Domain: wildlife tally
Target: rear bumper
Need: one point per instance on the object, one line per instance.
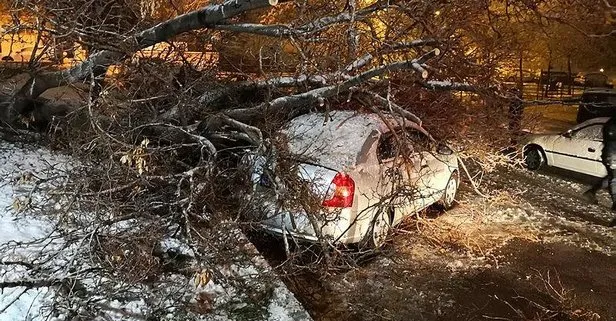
(278, 232)
(338, 228)
(282, 233)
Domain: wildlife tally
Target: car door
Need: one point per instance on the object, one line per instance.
(433, 172)
(399, 185)
(580, 150)
(390, 173)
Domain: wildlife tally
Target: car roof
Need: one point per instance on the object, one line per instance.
(336, 139)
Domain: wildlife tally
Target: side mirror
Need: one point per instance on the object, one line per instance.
(444, 149)
(567, 134)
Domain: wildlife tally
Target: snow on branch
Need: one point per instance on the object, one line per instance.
(312, 96)
(284, 81)
(303, 30)
(324, 22)
(205, 17)
(212, 96)
(449, 85)
(209, 98)
(360, 62)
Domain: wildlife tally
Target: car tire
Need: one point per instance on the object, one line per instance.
(534, 158)
(448, 200)
(378, 232)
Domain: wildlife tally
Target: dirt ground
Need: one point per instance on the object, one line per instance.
(535, 250)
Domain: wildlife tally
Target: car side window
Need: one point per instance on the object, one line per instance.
(387, 148)
(594, 132)
(404, 143)
(418, 140)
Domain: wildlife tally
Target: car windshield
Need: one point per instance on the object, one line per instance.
(334, 141)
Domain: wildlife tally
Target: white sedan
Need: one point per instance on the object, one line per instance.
(366, 172)
(578, 149)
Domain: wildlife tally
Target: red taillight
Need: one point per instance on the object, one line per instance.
(341, 192)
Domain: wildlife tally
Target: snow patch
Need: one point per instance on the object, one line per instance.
(21, 166)
(28, 173)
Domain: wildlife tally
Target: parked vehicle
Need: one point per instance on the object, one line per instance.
(367, 173)
(597, 102)
(598, 80)
(578, 149)
(528, 76)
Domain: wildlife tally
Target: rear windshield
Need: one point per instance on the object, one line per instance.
(336, 142)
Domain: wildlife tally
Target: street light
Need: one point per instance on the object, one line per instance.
(601, 70)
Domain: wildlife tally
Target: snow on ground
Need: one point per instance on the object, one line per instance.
(550, 203)
(225, 291)
(19, 166)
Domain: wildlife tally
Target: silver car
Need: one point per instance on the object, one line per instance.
(367, 172)
(578, 149)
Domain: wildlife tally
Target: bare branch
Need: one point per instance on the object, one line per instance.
(395, 108)
(448, 85)
(303, 30)
(312, 96)
(202, 18)
(411, 44)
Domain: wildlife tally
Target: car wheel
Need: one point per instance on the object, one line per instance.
(378, 232)
(533, 158)
(451, 190)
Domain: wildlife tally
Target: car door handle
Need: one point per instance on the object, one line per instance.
(592, 150)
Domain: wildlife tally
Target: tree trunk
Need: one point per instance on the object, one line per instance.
(569, 76)
(516, 110)
(521, 72)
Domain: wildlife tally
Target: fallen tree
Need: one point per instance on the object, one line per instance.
(97, 63)
(162, 134)
(22, 108)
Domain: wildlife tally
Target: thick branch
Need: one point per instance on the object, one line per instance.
(212, 96)
(278, 82)
(395, 108)
(33, 283)
(303, 30)
(313, 96)
(202, 18)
